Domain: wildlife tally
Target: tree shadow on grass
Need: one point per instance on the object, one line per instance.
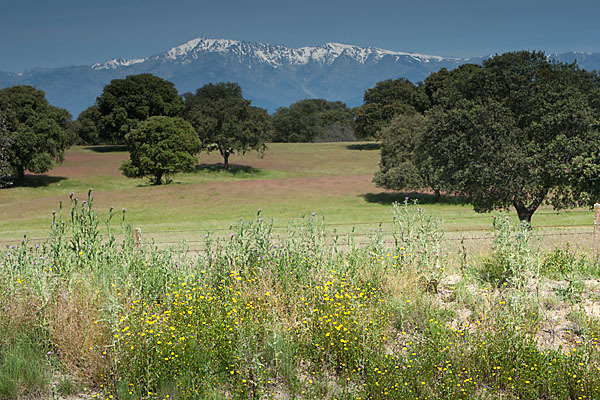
(34, 181)
(234, 169)
(364, 146)
(109, 148)
(421, 198)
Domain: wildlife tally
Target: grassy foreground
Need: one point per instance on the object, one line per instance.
(312, 315)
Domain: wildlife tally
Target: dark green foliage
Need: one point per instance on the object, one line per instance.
(385, 101)
(225, 121)
(5, 143)
(124, 103)
(586, 175)
(212, 92)
(160, 147)
(37, 131)
(86, 125)
(336, 132)
(508, 133)
(443, 88)
(312, 120)
(404, 165)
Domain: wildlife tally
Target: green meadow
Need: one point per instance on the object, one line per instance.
(289, 182)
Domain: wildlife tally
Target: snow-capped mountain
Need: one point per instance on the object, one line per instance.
(270, 75)
(276, 56)
(117, 62)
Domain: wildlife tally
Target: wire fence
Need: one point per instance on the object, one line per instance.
(390, 241)
(193, 232)
(157, 236)
(359, 238)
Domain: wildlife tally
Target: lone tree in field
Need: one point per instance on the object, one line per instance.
(225, 121)
(404, 164)
(513, 131)
(35, 133)
(160, 147)
(124, 103)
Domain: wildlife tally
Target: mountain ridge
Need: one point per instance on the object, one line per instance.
(274, 55)
(271, 76)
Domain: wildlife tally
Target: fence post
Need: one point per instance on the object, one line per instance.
(596, 231)
(137, 237)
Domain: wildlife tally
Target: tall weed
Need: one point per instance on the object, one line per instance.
(418, 239)
(515, 259)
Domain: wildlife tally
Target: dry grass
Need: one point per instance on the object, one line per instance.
(75, 330)
(20, 313)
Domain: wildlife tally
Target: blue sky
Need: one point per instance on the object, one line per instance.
(49, 33)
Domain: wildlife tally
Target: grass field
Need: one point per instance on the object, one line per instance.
(405, 311)
(290, 181)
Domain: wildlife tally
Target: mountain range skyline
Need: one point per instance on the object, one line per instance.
(271, 76)
(183, 49)
(73, 32)
(216, 44)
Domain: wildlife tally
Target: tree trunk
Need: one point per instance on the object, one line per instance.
(20, 174)
(525, 212)
(158, 178)
(438, 195)
(225, 159)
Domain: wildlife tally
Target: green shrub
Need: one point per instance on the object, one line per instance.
(514, 261)
(572, 293)
(561, 262)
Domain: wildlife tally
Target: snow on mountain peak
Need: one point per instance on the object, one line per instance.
(183, 49)
(273, 55)
(278, 55)
(192, 47)
(117, 62)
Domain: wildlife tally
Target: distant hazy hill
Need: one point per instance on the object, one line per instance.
(270, 75)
